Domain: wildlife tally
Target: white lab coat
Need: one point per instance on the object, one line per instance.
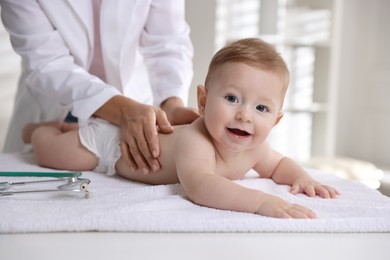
(55, 40)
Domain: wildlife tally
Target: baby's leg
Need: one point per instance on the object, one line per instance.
(61, 150)
(30, 128)
(163, 176)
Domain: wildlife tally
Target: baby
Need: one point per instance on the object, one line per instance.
(239, 104)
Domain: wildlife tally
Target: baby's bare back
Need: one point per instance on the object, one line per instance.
(167, 174)
(234, 168)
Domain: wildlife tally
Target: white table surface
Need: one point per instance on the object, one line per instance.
(98, 245)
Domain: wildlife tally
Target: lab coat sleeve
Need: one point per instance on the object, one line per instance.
(50, 68)
(167, 50)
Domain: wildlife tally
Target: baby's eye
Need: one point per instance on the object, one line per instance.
(231, 98)
(262, 108)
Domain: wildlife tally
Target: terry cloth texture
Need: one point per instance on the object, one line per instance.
(121, 205)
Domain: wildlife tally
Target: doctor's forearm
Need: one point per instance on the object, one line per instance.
(169, 104)
(114, 108)
(177, 113)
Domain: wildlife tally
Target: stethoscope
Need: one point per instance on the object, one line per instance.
(69, 182)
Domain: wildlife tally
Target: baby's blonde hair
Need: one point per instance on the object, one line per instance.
(253, 52)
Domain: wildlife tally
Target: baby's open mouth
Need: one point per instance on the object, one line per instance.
(238, 132)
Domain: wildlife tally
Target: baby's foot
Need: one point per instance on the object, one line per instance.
(30, 128)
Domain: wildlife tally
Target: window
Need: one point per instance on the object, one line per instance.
(300, 30)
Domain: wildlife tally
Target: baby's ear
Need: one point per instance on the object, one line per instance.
(202, 96)
(280, 115)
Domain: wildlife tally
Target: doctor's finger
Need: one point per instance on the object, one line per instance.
(162, 122)
(126, 155)
(150, 134)
(149, 147)
(140, 152)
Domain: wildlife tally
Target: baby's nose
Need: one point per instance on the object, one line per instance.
(244, 116)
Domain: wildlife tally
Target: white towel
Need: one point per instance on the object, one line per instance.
(121, 205)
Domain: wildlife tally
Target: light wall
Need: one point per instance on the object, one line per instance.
(200, 15)
(363, 122)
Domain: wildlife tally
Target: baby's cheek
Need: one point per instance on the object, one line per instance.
(264, 129)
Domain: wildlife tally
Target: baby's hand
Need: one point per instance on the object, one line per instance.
(312, 188)
(273, 206)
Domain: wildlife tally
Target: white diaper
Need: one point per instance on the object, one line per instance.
(102, 139)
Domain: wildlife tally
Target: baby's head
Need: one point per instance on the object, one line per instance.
(243, 94)
(253, 52)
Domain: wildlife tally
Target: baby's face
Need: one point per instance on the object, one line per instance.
(242, 105)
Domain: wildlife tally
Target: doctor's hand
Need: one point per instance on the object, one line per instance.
(138, 123)
(177, 113)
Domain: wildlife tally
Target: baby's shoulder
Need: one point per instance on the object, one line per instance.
(193, 135)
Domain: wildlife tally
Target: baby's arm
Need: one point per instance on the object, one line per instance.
(195, 163)
(284, 170)
(289, 172)
(208, 189)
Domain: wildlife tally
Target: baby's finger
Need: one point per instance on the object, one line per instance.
(310, 191)
(298, 211)
(295, 189)
(322, 192)
(282, 214)
(332, 192)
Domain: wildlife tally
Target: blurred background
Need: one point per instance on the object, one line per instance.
(337, 114)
